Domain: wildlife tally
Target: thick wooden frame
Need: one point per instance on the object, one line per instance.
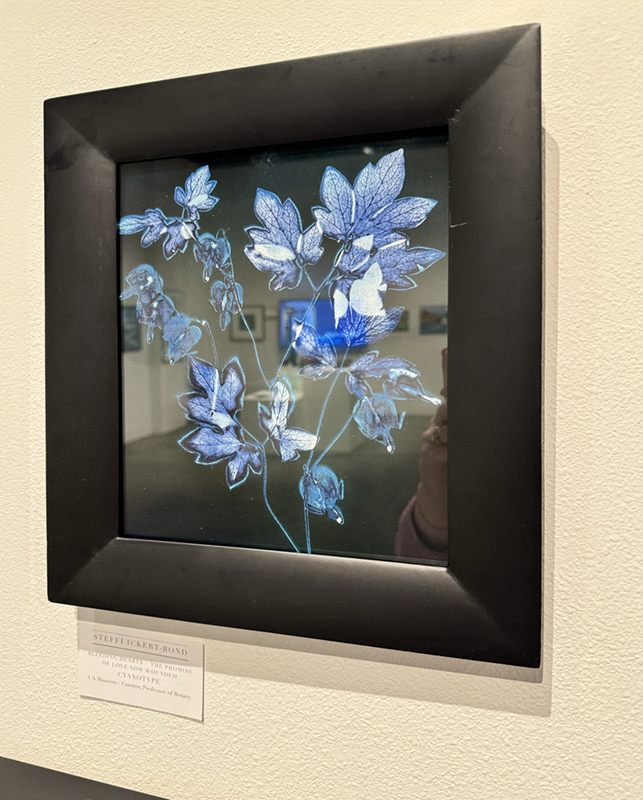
(486, 604)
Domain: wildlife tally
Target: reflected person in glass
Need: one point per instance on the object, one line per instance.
(422, 528)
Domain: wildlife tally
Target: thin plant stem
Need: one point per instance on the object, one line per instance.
(310, 457)
(313, 302)
(307, 527)
(310, 281)
(335, 440)
(247, 432)
(215, 354)
(323, 411)
(254, 344)
(289, 348)
(245, 322)
(265, 497)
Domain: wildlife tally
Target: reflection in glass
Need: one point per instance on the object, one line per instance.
(294, 305)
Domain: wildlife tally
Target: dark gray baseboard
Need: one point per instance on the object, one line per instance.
(20, 781)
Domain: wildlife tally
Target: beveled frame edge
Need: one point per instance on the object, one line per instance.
(486, 604)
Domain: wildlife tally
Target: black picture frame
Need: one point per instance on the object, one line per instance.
(486, 605)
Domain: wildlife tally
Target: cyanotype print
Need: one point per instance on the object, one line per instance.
(292, 410)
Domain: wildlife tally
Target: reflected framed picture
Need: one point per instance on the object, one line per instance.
(403, 324)
(130, 330)
(249, 327)
(270, 456)
(434, 319)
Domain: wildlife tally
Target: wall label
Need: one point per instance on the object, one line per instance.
(148, 669)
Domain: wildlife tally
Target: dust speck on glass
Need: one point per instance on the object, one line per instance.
(307, 438)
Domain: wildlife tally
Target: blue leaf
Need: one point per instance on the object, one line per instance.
(318, 349)
(181, 337)
(153, 223)
(364, 295)
(233, 387)
(286, 441)
(408, 212)
(369, 207)
(376, 416)
(357, 259)
(205, 405)
(212, 446)
(379, 184)
(396, 260)
(197, 195)
(337, 219)
(179, 233)
(357, 329)
(132, 224)
(214, 406)
(291, 440)
(360, 317)
(157, 226)
(320, 490)
(281, 248)
(217, 395)
(200, 404)
(309, 246)
(247, 458)
(214, 253)
(363, 363)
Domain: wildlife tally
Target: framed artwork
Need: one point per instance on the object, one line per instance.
(251, 326)
(288, 470)
(130, 330)
(403, 324)
(434, 319)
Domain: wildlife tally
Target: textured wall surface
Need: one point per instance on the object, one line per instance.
(288, 719)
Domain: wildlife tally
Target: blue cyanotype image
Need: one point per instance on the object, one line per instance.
(343, 255)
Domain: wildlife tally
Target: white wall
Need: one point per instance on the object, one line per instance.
(290, 719)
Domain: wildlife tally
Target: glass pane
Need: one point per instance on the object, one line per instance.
(283, 348)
